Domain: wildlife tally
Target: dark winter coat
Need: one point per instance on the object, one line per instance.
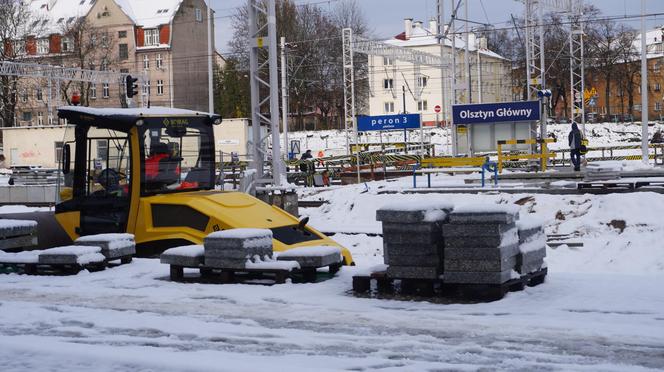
(574, 137)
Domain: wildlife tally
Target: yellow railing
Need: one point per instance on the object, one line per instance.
(543, 156)
(448, 162)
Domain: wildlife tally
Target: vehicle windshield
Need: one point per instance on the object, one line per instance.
(176, 158)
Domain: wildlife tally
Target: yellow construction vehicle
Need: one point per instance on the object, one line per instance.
(151, 172)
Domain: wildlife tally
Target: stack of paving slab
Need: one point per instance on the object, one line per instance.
(412, 239)
(532, 246)
(80, 255)
(237, 248)
(603, 171)
(17, 234)
(307, 257)
(113, 246)
(481, 244)
(185, 256)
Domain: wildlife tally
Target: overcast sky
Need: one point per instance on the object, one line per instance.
(386, 16)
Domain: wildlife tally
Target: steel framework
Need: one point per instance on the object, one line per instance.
(577, 68)
(264, 84)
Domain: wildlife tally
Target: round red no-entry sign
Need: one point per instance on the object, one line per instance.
(437, 109)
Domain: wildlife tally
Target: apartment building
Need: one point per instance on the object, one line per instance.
(163, 41)
(397, 87)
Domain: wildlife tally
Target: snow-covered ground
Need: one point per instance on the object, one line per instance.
(601, 308)
(333, 142)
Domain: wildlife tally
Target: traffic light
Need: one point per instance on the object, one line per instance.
(132, 86)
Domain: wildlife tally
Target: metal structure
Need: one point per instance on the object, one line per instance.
(535, 59)
(350, 115)
(264, 83)
(59, 74)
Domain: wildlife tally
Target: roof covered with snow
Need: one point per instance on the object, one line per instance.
(52, 16)
(420, 37)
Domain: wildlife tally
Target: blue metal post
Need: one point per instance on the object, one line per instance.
(414, 176)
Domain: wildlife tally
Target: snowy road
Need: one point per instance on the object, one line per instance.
(132, 318)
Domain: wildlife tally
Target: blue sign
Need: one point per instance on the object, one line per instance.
(388, 122)
(485, 113)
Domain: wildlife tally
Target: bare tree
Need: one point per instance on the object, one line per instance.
(92, 49)
(17, 23)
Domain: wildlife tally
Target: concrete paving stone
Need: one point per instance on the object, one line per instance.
(412, 249)
(181, 260)
(529, 233)
(424, 261)
(406, 238)
(411, 228)
(530, 267)
(507, 238)
(481, 253)
(17, 228)
(538, 254)
(24, 241)
(498, 277)
(482, 218)
(475, 230)
(413, 272)
(507, 263)
(230, 254)
(221, 251)
(225, 263)
(313, 261)
(414, 216)
(122, 252)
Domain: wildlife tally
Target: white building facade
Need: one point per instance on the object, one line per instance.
(398, 87)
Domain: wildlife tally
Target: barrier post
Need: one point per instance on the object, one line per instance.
(500, 158)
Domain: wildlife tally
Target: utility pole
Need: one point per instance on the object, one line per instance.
(284, 95)
(441, 41)
(453, 132)
(210, 56)
(644, 87)
(479, 73)
(466, 56)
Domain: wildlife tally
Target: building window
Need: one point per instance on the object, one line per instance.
(58, 150)
(124, 52)
(388, 107)
(66, 44)
(93, 91)
(160, 61)
(102, 149)
(24, 95)
(105, 93)
(40, 118)
(422, 105)
(19, 47)
(146, 62)
(42, 46)
(27, 116)
(657, 66)
(160, 87)
(199, 14)
(146, 88)
(151, 37)
(387, 61)
(104, 65)
(122, 34)
(422, 81)
(658, 106)
(658, 87)
(40, 94)
(388, 83)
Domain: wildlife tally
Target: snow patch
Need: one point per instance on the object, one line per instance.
(186, 251)
(316, 251)
(241, 234)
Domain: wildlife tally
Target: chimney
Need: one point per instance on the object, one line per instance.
(472, 40)
(482, 42)
(433, 27)
(417, 24)
(408, 25)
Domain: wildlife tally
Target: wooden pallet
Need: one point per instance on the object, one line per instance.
(648, 184)
(49, 269)
(236, 276)
(380, 284)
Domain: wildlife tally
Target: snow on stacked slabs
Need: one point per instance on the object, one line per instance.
(603, 171)
(236, 248)
(412, 238)
(72, 255)
(17, 234)
(113, 246)
(532, 246)
(185, 256)
(481, 244)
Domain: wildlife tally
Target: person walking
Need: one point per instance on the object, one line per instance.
(574, 140)
(303, 160)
